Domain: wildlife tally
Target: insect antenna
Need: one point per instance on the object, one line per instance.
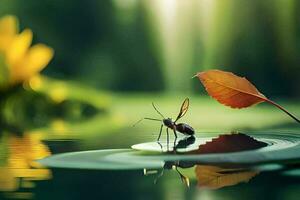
(157, 111)
(153, 119)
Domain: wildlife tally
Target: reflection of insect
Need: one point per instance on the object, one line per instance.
(171, 166)
(168, 165)
(182, 144)
(181, 127)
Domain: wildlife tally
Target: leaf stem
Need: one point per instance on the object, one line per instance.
(283, 109)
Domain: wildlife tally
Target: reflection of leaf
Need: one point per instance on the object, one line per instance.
(229, 143)
(234, 91)
(213, 177)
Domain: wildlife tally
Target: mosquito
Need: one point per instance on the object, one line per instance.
(173, 125)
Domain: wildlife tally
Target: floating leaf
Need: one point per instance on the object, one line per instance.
(234, 91)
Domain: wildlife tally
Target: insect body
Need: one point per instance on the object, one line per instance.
(170, 124)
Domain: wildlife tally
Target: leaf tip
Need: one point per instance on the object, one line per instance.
(196, 75)
(199, 75)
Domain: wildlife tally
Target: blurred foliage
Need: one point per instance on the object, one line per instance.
(130, 45)
(116, 44)
(92, 44)
(115, 130)
(43, 100)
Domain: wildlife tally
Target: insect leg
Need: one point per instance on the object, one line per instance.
(183, 178)
(174, 145)
(160, 132)
(167, 139)
(174, 129)
(161, 147)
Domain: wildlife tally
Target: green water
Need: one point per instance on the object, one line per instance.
(23, 178)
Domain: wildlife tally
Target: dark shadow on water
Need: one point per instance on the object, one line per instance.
(225, 143)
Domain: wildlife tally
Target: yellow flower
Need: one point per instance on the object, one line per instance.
(21, 60)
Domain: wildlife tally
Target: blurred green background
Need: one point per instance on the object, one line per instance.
(153, 45)
(114, 57)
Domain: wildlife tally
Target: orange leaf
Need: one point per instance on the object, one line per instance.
(234, 91)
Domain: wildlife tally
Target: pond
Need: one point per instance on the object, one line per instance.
(93, 158)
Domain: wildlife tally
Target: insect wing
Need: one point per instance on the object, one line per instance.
(184, 108)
